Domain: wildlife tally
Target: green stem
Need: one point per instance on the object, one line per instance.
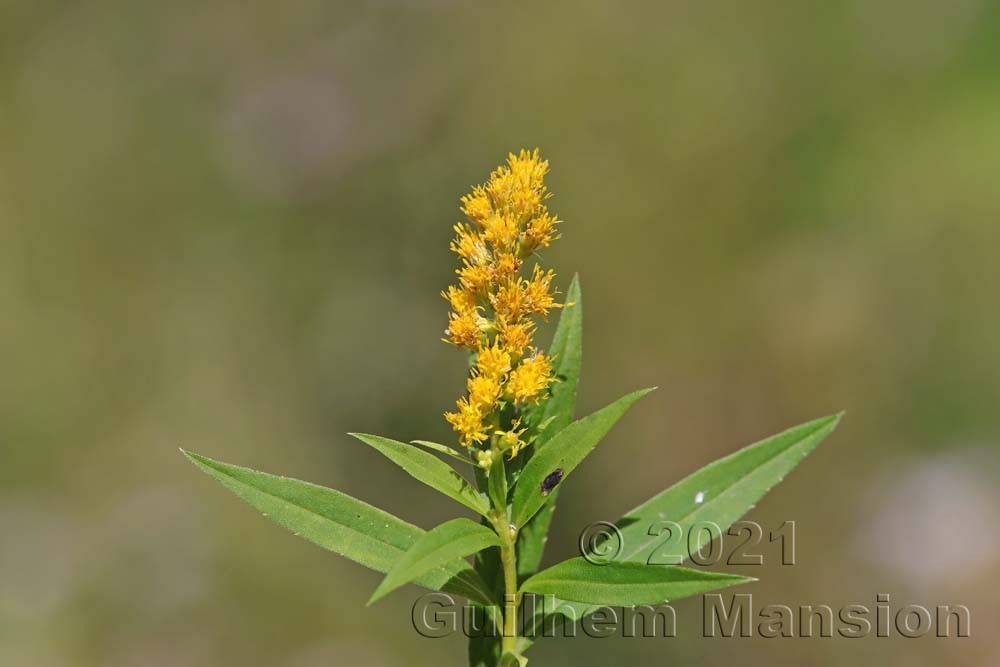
(512, 598)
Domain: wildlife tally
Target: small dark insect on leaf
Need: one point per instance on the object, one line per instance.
(551, 480)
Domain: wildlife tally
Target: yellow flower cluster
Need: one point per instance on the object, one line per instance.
(493, 304)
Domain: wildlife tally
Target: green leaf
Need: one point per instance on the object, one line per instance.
(563, 453)
(624, 583)
(444, 544)
(340, 523)
(430, 470)
(498, 483)
(567, 350)
(721, 492)
(721, 481)
(443, 449)
(556, 414)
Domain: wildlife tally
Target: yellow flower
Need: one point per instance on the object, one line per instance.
(509, 302)
(493, 362)
(527, 382)
(501, 231)
(484, 390)
(516, 336)
(528, 171)
(528, 168)
(475, 277)
(538, 299)
(539, 233)
(468, 421)
(518, 187)
(492, 305)
(464, 329)
(499, 187)
(506, 267)
(462, 300)
(511, 439)
(469, 245)
(476, 206)
(525, 202)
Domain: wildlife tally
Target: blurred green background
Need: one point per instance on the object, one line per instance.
(224, 226)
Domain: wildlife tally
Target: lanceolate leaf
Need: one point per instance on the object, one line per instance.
(556, 414)
(440, 546)
(776, 455)
(721, 492)
(562, 454)
(619, 583)
(497, 483)
(340, 523)
(567, 350)
(443, 449)
(430, 470)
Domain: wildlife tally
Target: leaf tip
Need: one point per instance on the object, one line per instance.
(740, 580)
(834, 420)
(642, 392)
(192, 457)
(383, 589)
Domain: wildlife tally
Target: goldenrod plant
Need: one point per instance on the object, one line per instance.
(516, 444)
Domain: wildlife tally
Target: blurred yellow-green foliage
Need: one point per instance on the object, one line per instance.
(225, 225)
